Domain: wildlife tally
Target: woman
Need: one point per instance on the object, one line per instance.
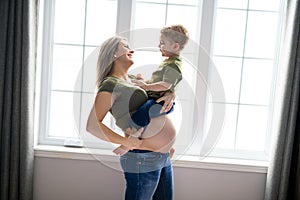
(147, 167)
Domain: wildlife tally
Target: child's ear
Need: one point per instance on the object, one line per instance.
(176, 46)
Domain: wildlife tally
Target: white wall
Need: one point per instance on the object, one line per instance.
(67, 179)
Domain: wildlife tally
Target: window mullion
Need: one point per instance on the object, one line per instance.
(124, 17)
(204, 62)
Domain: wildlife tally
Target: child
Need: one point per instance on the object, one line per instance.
(172, 41)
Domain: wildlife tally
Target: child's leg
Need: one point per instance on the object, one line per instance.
(154, 111)
(172, 151)
(150, 109)
(141, 118)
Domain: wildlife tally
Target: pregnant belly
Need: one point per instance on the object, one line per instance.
(159, 135)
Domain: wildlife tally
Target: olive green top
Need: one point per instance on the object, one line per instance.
(128, 98)
(169, 71)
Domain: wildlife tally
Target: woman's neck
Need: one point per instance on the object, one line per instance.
(119, 74)
(119, 71)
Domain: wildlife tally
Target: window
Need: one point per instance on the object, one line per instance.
(240, 39)
(245, 53)
(68, 39)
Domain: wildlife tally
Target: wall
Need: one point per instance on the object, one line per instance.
(67, 179)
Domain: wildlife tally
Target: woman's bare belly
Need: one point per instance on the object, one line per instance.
(159, 135)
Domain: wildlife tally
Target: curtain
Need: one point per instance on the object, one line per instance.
(283, 173)
(17, 72)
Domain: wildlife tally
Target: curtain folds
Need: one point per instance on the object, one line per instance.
(17, 72)
(283, 173)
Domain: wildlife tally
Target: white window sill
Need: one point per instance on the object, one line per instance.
(184, 161)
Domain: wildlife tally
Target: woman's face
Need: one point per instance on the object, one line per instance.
(124, 53)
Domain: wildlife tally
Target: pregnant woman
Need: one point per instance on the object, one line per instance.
(147, 167)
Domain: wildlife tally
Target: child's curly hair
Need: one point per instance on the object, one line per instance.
(176, 33)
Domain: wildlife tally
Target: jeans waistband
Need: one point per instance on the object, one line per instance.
(139, 151)
(139, 161)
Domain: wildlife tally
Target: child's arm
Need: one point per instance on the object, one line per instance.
(137, 77)
(158, 86)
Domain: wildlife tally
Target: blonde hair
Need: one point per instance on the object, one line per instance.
(176, 33)
(106, 57)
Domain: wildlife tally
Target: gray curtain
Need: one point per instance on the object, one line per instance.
(283, 173)
(17, 72)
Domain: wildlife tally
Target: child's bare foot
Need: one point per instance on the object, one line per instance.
(172, 151)
(121, 150)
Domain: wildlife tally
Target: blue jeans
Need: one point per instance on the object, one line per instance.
(148, 175)
(150, 109)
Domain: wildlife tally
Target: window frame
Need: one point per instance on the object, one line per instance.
(262, 155)
(124, 22)
(45, 93)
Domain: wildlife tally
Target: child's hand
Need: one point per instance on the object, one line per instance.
(139, 77)
(139, 83)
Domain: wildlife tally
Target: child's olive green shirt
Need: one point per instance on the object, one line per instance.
(169, 71)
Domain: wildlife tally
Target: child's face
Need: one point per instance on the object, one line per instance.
(166, 46)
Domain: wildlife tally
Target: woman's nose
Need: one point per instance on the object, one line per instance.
(131, 51)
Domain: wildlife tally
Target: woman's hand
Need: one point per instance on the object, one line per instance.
(169, 98)
(133, 141)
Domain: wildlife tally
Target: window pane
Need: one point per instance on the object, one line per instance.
(152, 1)
(229, 32)
(186, 2)
(67, 62)
(239, 4)
(88, 139)
(144, 10)
(229, 70)
(261, 34)
(268, 5)
(182, 117)
(243, 29)
(69, 21)
(227, 136)
(145, 62)
(256, 81)
(185, 15)
(89, 69)
(63, 122)
(252, 124)
(100, 21)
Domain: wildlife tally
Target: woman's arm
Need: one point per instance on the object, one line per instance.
(169, 98)
(103, 103)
